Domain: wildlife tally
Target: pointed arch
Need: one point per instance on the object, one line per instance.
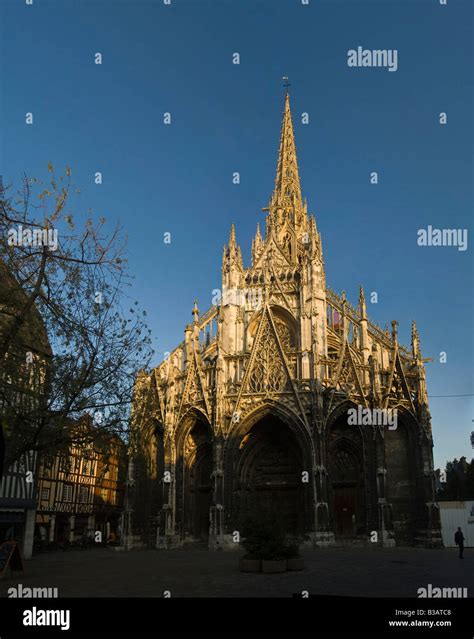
(283, 412)
(194, 388)
(264, 457)
(347, 473)
(194, 464)
(188, 419)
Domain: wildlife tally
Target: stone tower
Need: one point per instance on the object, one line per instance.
(283, 394)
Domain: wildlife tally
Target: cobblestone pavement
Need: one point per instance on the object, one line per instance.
(193, 572)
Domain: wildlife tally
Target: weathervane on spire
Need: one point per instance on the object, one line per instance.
(287, 83)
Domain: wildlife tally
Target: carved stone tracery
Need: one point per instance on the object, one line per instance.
(268, 373)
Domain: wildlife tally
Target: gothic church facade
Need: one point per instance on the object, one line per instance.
(254, 406)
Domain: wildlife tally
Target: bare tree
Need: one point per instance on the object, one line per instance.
(71, 342)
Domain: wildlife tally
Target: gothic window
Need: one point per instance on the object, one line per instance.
(334, 318)
(284, 333)
(268, 373)
(344, 466)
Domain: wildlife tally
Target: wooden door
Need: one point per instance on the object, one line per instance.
(344, 510)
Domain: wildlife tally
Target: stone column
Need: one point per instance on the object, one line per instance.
(169, 497)
(324, 535)
(386, 533)
(218, 539)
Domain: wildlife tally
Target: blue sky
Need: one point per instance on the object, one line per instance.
(177, 178)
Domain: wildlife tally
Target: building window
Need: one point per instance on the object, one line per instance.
(65, 465)
(83, 495)
(44, 494)
(67, 492)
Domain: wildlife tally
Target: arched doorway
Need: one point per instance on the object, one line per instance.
(270, 466)
(197, 480)
(347, 487)
(344, 473)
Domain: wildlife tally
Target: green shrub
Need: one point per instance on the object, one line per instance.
(263, 536)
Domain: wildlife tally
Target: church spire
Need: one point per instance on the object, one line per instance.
(232, 239)
(287, 183)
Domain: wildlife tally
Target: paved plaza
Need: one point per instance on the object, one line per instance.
(196, 572)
